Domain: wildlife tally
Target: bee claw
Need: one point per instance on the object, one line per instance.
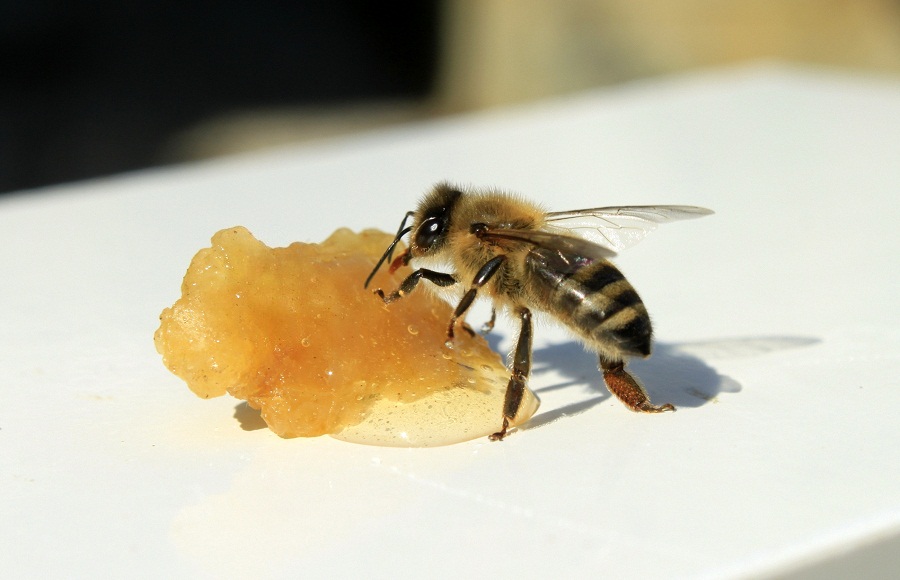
(648, 408)
(489, 325)
(499, 435)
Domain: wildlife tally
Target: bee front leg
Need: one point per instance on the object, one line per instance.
(481, 278)
(624, 386)
(515, 390)
(408, 285)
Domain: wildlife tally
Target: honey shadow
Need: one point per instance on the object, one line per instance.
(249, 418)
(676, 373)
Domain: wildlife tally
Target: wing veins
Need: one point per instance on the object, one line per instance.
(619, 227)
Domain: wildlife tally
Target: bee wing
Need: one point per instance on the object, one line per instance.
(618, 228)
(574, 251)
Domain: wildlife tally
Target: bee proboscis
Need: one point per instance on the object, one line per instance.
(524, 258)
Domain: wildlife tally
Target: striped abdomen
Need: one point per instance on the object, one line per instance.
(595, 301)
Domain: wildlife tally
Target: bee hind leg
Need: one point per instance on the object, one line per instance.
(515, 390)
(626, 388)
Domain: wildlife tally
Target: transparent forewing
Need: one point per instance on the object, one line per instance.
(618, 228)
(576, 252)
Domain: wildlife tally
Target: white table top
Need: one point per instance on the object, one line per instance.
(778, 336)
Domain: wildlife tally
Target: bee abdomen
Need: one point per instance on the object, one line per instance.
(601, 305)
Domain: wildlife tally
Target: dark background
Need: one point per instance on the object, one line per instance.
(95, 87)
(98, 87)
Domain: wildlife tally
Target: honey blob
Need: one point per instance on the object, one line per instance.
(293, 332)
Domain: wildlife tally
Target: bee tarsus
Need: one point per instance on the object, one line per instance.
(521, 368)
(488, 326)
(626, 388)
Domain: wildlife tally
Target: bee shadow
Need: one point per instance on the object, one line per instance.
(676, 373)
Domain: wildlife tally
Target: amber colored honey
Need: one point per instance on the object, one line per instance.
(293, 332)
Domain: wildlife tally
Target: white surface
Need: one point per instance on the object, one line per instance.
(781, 308)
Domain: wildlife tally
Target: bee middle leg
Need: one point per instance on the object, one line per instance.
(624, 386)
(481, 278)
(488, 326)
(515, 390)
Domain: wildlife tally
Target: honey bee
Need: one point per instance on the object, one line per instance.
(526, 259)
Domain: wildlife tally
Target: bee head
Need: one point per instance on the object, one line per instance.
(432, 220)
(429, 228)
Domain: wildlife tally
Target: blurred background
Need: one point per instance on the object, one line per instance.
(91, 88)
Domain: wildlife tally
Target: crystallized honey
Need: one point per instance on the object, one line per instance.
(293, 332)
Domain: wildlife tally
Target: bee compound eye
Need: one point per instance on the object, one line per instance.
(429, 232)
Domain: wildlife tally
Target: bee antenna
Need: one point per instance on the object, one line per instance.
(400, 233)
(390, 249)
